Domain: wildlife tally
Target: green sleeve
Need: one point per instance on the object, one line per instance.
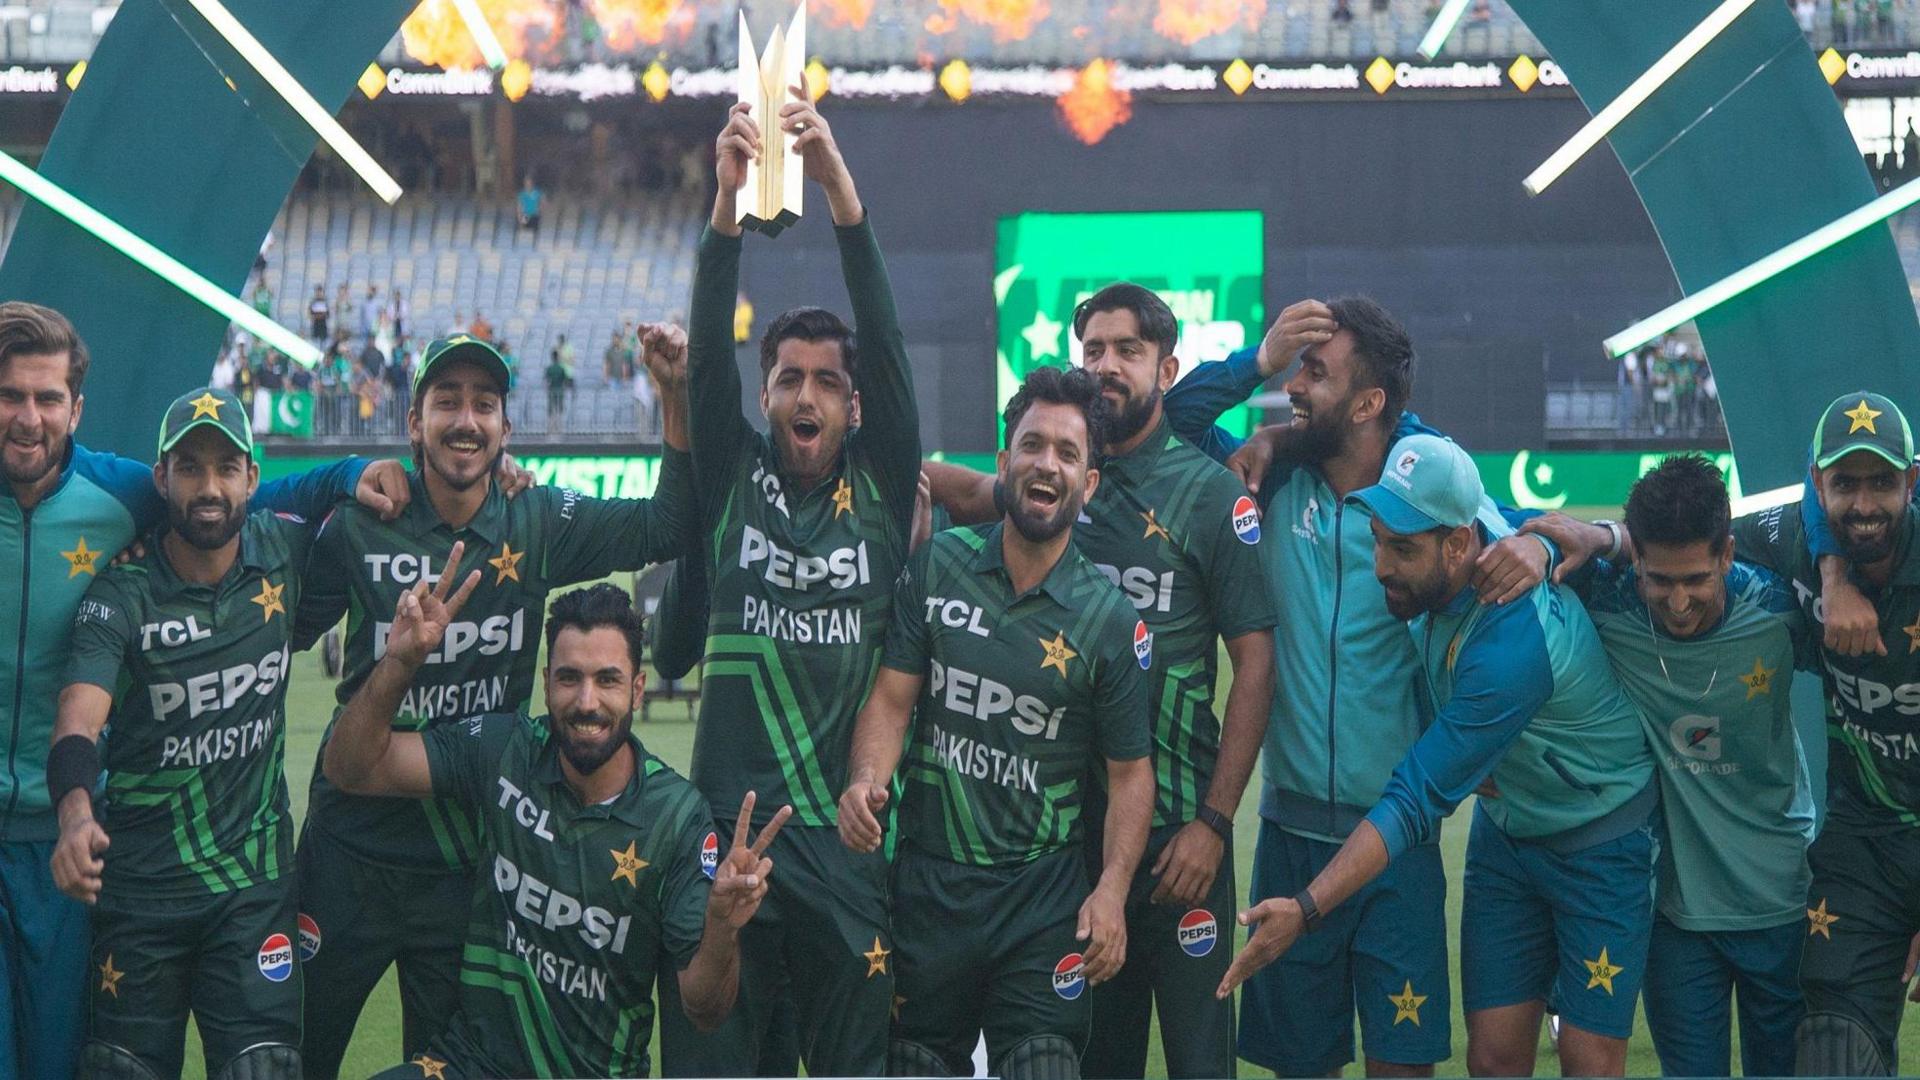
(909, 646)
(464, 758)
(1771, 538)
(889, 418)
(592, 538)
(678, 631)
(323, 581)
(1120, 701)
(1234, 576)
(716, 427)
(684, 890)
(105, 628)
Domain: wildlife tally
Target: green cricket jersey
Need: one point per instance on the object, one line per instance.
(801, 582)
(576, 903)
(1178, 534)
(1025, 697)
(524, 547)
(195, 751)
(1734, 789)
(1873, 759)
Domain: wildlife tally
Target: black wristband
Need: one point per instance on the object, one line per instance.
(1215, 820)
(1309, 911)
(74, 762)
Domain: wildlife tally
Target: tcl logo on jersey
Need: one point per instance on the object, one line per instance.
(401, 569)
(1147, 590)
(276, 958)
(173, 632)
(1070, 976)
(309, 937)
(1246, 520)
(492, 636)
(985, 699)
(957, 614)
(1197, 932)
(710, 856)
(542, 905)
(843, 569)
(1143, 645)
(769, 484)
(219, 689)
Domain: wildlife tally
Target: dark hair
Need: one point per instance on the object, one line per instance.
(1156, 320)
(1383, 348)
(33, 330)
(805, 324)
(594, 607)
(1064, 386)
(1682, 500)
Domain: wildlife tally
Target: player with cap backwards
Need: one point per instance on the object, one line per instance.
(1852, 539)
(1020, 658)
(1560, 861)
(378, 876)
(188, 862)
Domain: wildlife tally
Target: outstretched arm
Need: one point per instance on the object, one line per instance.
(965, 495)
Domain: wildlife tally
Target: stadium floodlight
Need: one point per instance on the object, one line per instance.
(169, 269)
(483, 34)
(1767, 500)
(295, 95)
(1763, 268)
(1443, 24)
(1634, 95)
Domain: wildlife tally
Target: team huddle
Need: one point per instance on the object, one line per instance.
(948, 782)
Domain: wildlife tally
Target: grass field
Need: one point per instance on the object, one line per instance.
(376, 1043)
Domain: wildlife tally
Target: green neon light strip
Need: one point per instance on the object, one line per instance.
(483, 35)
(1636, 94)
(171, 270)
(295, 95)
(1820, 239)
(1442, 28)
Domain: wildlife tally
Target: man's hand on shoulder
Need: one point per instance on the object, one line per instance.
(383, 488)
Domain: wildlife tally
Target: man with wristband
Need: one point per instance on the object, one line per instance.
(1527, 712)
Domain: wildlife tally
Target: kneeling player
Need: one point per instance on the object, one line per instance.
(1030, 661)
(193, 902)
(591, 864)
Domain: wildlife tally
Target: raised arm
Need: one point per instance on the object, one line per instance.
(717, 429)
(965, 495)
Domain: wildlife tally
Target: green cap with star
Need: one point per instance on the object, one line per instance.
(443, 351)
(1863, 421)
(206, 407)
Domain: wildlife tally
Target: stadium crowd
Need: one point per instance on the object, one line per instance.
(946, 782)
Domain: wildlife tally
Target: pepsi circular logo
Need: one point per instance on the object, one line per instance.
(1070, 976)
(309, 937)
(1246, 520)
(1197, 932)
(276, 958)
(1143, 645)
(710, 856)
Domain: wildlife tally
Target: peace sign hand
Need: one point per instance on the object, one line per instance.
(740, 881)
(422, 616)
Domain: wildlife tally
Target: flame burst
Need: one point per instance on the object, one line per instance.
(632, 24)
(1094, 106)
(1012, 20)
(1187, 21)
(434, 34)
(853, 13)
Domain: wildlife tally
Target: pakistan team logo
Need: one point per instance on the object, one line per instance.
(1697, 737)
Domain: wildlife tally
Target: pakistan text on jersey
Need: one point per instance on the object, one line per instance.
(962, 755)
(219, 689)
(546, 908)
(217, 744)
(838, 625)
(564, 974)
(984, 699)
(1898, 746)
(843, 568)
(490, 637)
(462, 699)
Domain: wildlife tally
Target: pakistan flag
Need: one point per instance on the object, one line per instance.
(289, 412)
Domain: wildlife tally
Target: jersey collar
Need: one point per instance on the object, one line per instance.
(990, 558)
(1137, 466)
(490, 524)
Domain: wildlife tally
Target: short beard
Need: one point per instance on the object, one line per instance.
(205, 537)
(1422, 598)
(1132, 417)
(455, 482)
(1323, 439)
(1041, 529)
(54, 456)
(587, 760)
(1867, 552)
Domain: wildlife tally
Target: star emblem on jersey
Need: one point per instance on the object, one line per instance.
(109, 978)
(1913, 636)
(431, 1066)
(1154, 527)
(269, 600)
(1759, 680)
(1406, 1004)
(1818, 919)
(842, 498)
(208, 405)
(1601, 972)
(506, 564)
(877, 958)
(1057, 653)
(1862, 417)
(80, 559)
(627, 865)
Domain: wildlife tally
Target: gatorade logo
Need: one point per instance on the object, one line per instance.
(1069, 976)
(1197, 932)
(1142, 645)
(1246, 520)
(309, 937)
(276, 958)
(710, 856)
